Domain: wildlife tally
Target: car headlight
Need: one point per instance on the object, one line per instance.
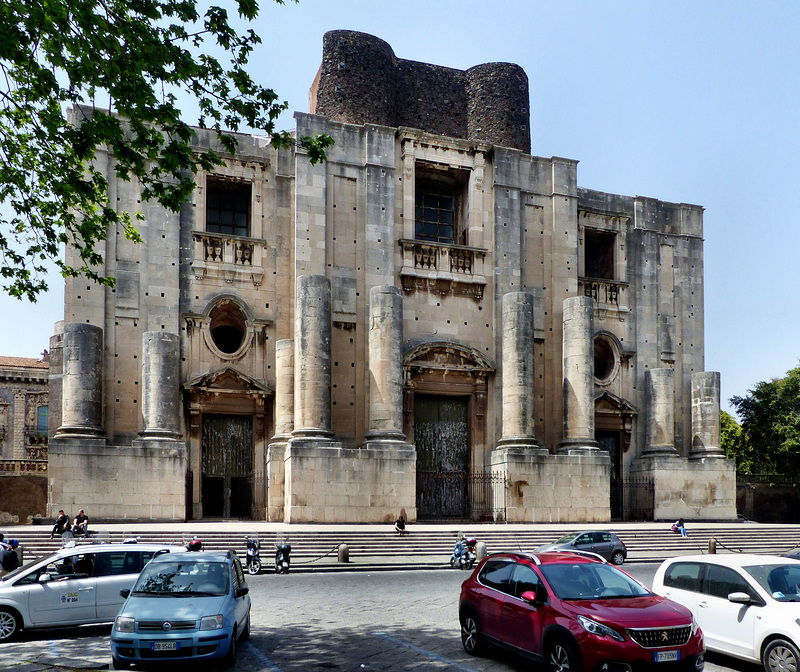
(599, 629)
(124, 624)
(211, 622)
(695, 627)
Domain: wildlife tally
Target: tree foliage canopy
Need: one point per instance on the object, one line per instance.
(770, 426)
(120, 65)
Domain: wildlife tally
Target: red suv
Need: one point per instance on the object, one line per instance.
(575, 612)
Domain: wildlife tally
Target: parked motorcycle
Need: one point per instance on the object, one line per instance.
(464, 554)
(253, 557)
(282, 551)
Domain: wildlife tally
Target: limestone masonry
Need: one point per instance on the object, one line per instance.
(434, 322)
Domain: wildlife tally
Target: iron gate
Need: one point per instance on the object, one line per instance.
(460, 496)
(639, 496)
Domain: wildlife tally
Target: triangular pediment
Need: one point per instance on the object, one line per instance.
(606, 402)
(445, 354)
(227, 379)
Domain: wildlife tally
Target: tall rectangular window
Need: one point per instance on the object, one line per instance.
(228, 207)
(41, 420)
(439, 213)
(599, 254)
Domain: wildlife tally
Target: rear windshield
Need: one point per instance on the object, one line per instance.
(183, 579)
(589, 580)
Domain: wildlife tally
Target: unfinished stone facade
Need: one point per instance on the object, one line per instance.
(434, 322)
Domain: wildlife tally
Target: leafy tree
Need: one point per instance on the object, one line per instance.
(731, 440)
(770, 415)
(120, 65)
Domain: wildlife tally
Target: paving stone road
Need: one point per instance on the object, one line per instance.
(348, 622)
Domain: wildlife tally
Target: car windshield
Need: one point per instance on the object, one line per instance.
(183, 579)
(588, 580)
(782, 581)
(19, 570)
(566, 539)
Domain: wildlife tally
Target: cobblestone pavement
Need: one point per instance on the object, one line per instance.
(349, 622)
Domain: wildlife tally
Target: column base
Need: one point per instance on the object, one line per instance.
(520, 442)
(577, 446)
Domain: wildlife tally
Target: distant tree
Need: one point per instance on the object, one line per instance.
(731, 440)
(121, 64)
(770, 423)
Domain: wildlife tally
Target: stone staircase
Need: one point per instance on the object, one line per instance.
(430, 546)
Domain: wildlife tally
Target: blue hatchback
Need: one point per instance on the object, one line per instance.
(187, 606)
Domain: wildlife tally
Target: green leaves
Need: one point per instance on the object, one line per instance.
(117, 67)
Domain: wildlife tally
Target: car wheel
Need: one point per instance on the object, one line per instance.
(471, 636)
(561, 657)
(230, 658)
(780, 655)
(9, 625)
(246, 630)
(618, 557)
(118, 664)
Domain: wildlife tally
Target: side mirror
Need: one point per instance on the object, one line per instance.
(44, 578)
(535, 597)
(241, 592)
(740, 598)
(125, 592)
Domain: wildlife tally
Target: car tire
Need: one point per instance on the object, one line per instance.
(617, 557)
(246, 630)
(560, 656)
(780, 654)
(471, 637)
(118, 664)
(10, 625)
(230, 658)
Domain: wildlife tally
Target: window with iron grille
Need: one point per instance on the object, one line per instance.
(439, 209)
(228, 207)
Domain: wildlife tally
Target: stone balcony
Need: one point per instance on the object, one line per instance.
(443, 268)
(229, 258)
(610, 297)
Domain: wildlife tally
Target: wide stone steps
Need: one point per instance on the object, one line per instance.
(430, 546)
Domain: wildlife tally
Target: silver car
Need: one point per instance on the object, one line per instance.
(73, 586)
(605, 544)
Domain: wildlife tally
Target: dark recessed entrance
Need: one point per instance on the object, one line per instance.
(227, 466)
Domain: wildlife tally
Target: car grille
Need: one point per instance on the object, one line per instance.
(147, 626)
(653, 638)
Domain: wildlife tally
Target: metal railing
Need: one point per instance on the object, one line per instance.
(456, 495)
(638, 498)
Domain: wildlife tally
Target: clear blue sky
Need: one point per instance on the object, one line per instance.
(695, 102)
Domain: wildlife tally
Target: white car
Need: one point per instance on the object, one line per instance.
(73, 586)
(748, 606)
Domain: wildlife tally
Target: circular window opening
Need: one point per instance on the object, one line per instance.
(228, 327)
(604, 360)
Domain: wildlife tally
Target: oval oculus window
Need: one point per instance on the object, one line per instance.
(605, 360)
(228, 327)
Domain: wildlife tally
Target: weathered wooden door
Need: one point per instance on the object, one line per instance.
(227, 466)
(610, 441)
(441, 435)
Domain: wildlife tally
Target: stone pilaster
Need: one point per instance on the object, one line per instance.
(161, 385)
(578, 372)
(312, 358)
(518, 371)
(705, 415)
(385, 366)
(82, 381)
(659, 419)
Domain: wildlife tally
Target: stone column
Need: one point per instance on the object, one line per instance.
(518, 371)
(705, 415)
(312, 357)
(660, 423)
(82, 381)
(578, 374)
(161, 399)
(385, 365)
(284, 390)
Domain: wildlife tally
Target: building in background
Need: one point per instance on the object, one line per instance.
(434, 322)
(24, 405)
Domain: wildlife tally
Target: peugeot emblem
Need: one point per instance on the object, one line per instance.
(167, 626)
(664, 634)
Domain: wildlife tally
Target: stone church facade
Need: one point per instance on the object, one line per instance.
(435, 321)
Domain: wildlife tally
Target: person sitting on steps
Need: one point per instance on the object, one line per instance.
(400, 526)
(81, 524)
(62, 524)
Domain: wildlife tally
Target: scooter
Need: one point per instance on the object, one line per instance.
(253, 557)
(282, 551)
(464, 555)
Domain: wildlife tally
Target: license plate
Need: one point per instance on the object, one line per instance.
(165, 646)
(666, 656)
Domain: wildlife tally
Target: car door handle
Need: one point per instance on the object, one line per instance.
(703, 604)
(81, 590)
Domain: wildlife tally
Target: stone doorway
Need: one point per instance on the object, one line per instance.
(613, 420)
(227, 445)
(610, 441)
(441, 436)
